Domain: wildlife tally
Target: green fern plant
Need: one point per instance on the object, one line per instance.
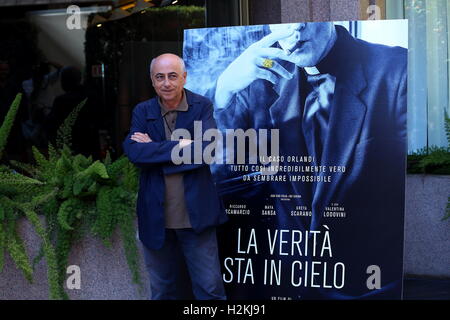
(10, 241)
(8, 122)
(64, 134)
(76, 195)
(434, 160)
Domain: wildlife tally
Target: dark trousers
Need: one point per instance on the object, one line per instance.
(200, 254)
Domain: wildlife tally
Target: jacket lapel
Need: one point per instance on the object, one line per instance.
(185, 119)
(155, 123)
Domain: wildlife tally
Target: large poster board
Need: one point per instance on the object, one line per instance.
(312, 168)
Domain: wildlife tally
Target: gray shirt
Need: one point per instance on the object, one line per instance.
(175, 210)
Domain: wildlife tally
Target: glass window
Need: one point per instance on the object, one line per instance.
(428, 87)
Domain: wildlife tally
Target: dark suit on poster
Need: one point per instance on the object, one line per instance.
(367, 135)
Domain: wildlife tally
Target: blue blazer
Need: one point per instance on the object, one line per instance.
(204, 207)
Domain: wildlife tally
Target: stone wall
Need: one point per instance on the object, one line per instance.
(427, 237)
(105, 273)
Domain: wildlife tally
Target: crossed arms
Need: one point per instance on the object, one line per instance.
(143, 151)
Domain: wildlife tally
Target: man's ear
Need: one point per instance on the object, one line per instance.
(185, 76)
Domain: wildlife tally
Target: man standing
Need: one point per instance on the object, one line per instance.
(178, 206)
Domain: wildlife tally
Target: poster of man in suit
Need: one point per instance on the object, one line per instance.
(315, 188)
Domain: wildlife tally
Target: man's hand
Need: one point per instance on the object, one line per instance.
(140, 137)
(249, 66)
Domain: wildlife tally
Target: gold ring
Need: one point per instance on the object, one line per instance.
(267, 63)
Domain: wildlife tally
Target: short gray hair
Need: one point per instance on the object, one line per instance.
(183, 65)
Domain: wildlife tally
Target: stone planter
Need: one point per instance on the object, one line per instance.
(104, 272)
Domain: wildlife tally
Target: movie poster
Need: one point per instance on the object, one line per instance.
(311, 159)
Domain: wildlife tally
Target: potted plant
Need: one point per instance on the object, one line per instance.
(76, 196)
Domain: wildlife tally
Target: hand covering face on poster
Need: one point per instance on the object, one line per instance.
(257, 76)
(249, 66)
